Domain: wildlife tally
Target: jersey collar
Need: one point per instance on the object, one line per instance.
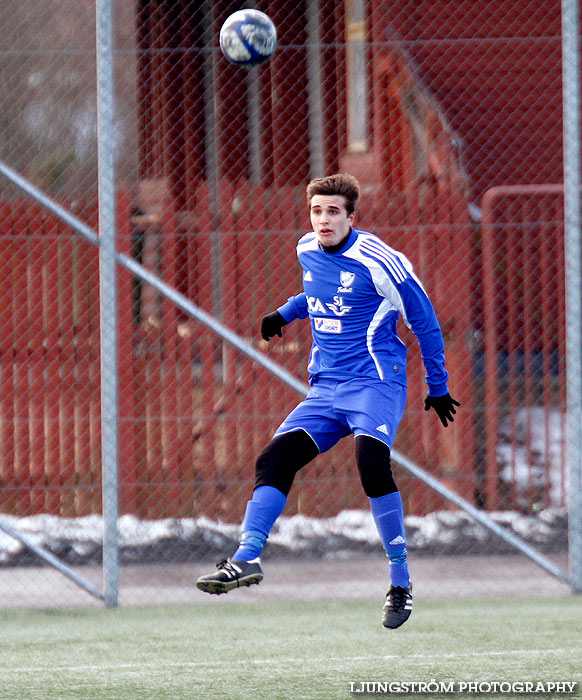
(347, 243)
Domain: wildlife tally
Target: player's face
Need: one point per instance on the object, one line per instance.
(329, 218)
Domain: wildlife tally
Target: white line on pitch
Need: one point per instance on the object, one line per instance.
(284, 660)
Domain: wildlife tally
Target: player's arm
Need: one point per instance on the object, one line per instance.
(296, 307)
(395, 280)
(423, 321)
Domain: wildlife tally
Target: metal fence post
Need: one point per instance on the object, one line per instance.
(107, 296)
(571, 112)
(212, 170)
(314, 90)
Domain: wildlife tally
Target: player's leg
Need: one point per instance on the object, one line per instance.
(373, 459)
(275, 470)
(309, 429)
(374, 411)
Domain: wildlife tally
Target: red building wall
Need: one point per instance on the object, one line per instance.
(495, 70)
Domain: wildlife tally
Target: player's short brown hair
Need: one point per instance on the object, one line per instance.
(341, 183)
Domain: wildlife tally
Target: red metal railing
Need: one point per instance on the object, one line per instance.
(524, 344)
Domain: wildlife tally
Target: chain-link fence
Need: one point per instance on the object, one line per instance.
(449, 113)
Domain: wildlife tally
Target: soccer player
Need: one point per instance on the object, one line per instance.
(355, 288)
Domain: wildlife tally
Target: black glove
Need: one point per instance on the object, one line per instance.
(271, 325)
(444, 407)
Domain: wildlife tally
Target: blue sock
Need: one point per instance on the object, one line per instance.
(266, 506)
(389, 518)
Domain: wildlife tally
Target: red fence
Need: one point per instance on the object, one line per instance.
(193, 413)
(49, 349)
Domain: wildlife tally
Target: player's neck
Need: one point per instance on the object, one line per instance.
(337, 246)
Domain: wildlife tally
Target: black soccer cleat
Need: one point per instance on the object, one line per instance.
(231, 574)
(397, 607)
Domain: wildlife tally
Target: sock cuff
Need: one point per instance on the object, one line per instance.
(270, 495)
(265, 507)
(262, 511)
(383, 504)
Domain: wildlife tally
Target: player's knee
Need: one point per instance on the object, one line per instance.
(282, 458)
(373, 460)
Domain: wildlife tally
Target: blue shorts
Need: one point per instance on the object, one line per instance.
(334, 409)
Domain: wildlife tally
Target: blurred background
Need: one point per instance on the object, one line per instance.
(449, 112)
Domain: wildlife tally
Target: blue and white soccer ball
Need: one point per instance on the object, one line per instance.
(248, 38)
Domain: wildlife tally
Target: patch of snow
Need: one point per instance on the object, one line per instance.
(530, 454)
(78, 540)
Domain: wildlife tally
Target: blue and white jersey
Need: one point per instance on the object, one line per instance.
(353, 298)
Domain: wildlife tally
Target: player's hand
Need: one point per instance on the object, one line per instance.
(271, 325)
(444, 407)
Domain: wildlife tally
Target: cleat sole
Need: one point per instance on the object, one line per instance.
(218, 587)
(395, 624)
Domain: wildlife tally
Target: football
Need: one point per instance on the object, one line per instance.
(248, 38)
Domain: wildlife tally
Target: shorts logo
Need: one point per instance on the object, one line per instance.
(328, 325)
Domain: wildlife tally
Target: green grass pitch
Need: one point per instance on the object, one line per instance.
(283, 651)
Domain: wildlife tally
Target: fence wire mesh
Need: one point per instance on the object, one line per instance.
(449, 114)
